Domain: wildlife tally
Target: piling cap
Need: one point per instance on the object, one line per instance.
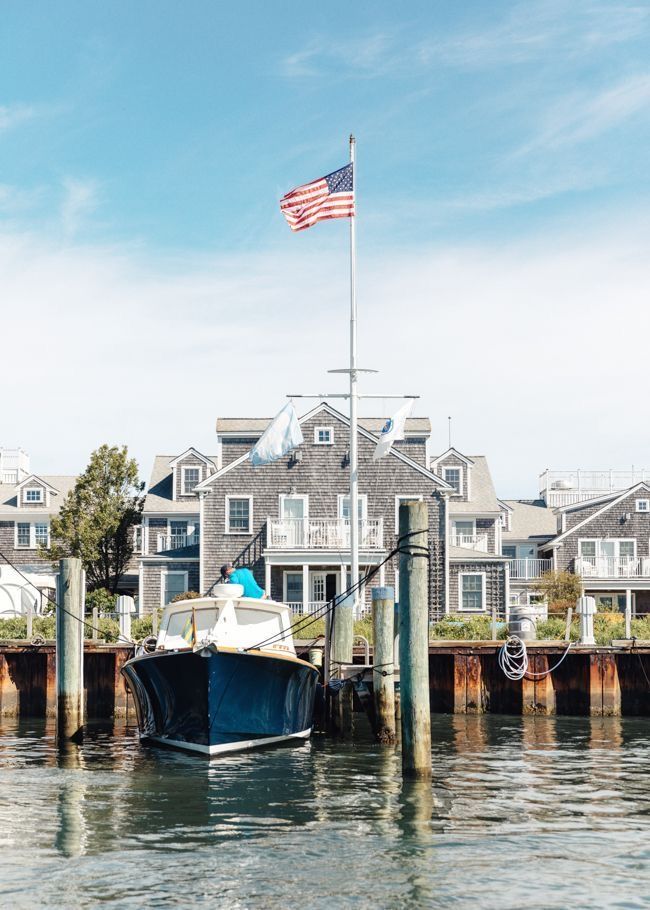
(387, 592)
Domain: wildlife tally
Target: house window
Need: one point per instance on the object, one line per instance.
(510, 552)
(323, 436)
(239, 514)
(471, 591)
(643, 505)
(464, 530)
(174, 583)
(294, 506)
(454, 477)
(177, 534)
(293, 587)
(23, 535)
(137, 539)
(402, 497)
(33, 494)
(344, 506)
(41, 535)
(191, 476)
(505, 521)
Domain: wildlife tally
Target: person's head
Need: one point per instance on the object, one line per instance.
(227, 570)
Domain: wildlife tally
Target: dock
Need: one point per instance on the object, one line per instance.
(464, 678)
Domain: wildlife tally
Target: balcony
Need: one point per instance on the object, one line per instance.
(527, 569)
(322, 534)
(564, 488)
(470, 541)
(612, 566)
(176, 541)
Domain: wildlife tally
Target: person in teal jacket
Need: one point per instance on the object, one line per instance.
(243, 577)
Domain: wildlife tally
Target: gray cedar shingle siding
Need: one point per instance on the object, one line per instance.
(322, 474)
(24, 555)
(190, 461)
(495, 583)
(452, 461)
(609, 525)
(152, 580)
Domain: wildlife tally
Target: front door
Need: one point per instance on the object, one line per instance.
(323, 586)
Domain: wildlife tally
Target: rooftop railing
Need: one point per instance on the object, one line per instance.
(562, 488)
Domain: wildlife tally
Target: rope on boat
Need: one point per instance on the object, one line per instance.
(513, 660)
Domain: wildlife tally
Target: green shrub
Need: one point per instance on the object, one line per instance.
(45, 626)
(102, 599)
(185, 595)
(554, 628)
(460, 627)
(15, 627)
(143, 627)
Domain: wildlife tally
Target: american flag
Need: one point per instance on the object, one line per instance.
(329, 197)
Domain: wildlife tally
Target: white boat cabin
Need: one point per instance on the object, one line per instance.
(226, 619)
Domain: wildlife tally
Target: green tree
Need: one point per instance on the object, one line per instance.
(97, 517)
(560, 589)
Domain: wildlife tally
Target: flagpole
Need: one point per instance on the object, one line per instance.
(354, 466)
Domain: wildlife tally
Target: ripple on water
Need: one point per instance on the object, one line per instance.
(521, 812)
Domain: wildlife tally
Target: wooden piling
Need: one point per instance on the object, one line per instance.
(69, 648)
(342, 632)
(383, 678)
(414, 640)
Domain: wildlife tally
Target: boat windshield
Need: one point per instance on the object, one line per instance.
(256, 626)
(179, 631)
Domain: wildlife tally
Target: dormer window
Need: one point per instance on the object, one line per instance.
(323, 436)
(33, 494)
(643, 505)
(505, 521)
(454, 477)
(191, 477)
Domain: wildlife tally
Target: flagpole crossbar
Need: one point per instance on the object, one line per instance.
(355, 370)
(347, 395)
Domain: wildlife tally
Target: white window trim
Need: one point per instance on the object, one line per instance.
(462, 609)
(32, 545)
(164, 572)
(400, 497)
(284, 584)
(283, 496)
(31, 502)
(318, 442)
(250, 516)
(363, 498)
(646, 510)
(454, 467)
(597, 540)
(190, 467)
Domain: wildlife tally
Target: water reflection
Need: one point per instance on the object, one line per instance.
(329, 819)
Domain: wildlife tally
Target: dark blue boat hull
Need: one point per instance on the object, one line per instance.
(221, 701)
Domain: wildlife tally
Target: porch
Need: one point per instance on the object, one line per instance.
(322, 533)
(308, 586)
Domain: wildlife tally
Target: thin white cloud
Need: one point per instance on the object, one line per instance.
(556, 29)
(15, 114)
(80, 199)
(525, 341)
(580, 117)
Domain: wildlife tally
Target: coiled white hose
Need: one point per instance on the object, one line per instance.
(513, 659)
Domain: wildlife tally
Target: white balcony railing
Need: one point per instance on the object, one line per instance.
(612, 566)
(563, 488)
(525, 569)
(322, 534)
(176, 541)
(470, 541)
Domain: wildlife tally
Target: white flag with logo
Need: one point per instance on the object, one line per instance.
(393, 430)
(281, 436)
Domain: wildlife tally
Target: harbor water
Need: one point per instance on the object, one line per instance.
(522, 812)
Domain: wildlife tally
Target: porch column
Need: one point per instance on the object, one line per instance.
(305, 587)
(344, 577)
(267, 577)
(628, 601)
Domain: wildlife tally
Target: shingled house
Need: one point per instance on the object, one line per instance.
(28, 502)
(289, 521)
(476, 568)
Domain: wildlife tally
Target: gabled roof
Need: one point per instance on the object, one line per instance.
(58, 483)
(455, 453)
(483, 495)
(324, 408)
(159, 492)
(608, 505)
(34, 478)
(253, 427)
(530, 519)
(190, 451)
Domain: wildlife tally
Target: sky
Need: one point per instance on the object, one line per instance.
(149, 284)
